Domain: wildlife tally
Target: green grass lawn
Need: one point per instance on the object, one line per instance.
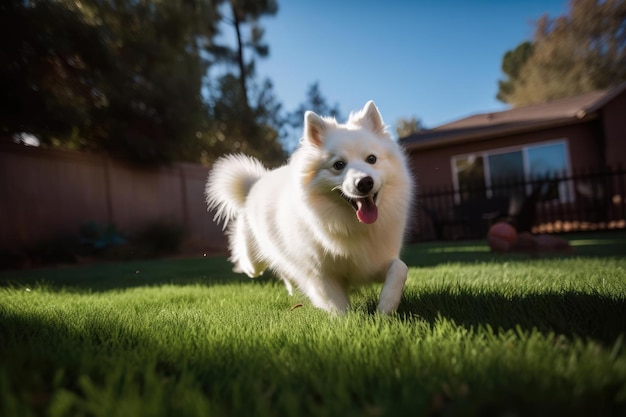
(476, 334)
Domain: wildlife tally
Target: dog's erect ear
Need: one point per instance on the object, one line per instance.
(372, 115)
(370, 118)
(314, 127)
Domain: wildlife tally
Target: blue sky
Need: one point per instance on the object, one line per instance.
(436, 60)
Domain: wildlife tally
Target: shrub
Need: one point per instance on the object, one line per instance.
(158, 239)
(98, 238)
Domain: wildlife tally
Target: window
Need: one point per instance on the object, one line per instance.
(506, 166)
(545, 160)
(470, 174)
(499, 172)
(506, 173)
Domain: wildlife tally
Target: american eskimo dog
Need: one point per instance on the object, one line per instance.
(333, 218)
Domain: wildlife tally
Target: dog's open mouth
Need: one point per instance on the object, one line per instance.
(365, 207)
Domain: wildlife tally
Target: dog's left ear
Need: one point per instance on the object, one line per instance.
(370, 118)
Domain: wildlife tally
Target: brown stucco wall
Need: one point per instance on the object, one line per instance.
(432, 166)
(614, 116)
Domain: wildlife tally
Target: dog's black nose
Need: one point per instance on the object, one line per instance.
(365, 185)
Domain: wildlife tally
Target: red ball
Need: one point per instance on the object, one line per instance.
(501, 237)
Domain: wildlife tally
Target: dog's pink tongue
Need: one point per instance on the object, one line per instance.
(367, 212)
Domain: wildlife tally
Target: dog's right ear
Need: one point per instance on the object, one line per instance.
(314, 128)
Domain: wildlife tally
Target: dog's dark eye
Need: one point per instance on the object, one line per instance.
(339, 165)
(371, 159)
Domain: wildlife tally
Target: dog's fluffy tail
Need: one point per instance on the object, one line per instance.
(229, 183)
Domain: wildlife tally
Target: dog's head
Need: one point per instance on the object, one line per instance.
(352, 167)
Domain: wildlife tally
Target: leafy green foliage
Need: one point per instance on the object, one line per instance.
(315, 102)
(158, 239)
(477, 334)
(582, 51)
(129, 78)
(512, 64)
(241, 15)
(255, 130)
(48, 76)
(99, 237)
(246, 113)
(407, 126)
(95, 242)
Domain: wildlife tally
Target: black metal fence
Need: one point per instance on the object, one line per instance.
(591, 199)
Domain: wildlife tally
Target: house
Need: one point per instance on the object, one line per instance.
(471, 156)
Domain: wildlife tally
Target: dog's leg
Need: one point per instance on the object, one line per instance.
(328, 295)
(288, 286)
(393, 286)
(243, 250)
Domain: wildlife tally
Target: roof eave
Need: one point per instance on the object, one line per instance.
(494, 132)
(599, 104)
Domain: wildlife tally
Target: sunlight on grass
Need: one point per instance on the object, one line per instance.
(460, 249)
(596, 242)
(187, 337)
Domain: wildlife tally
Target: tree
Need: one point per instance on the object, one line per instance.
(407, 126)
(249, 11)
(231, 132)
(512, 64)
(582, 51)
(316, 102)
(122, 77)
(130, 78)
(48, 78)
(243, 17)
(155, 108)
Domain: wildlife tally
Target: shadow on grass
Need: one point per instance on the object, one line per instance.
(583, 315)
(125, 275)
(570, 314)
(217, 270)
(606, 244)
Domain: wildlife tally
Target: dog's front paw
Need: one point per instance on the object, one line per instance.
(392, 289)
(387, 306)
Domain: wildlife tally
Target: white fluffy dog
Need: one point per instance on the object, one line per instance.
(334, 217)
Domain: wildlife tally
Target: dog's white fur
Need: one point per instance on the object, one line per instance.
(295, 220)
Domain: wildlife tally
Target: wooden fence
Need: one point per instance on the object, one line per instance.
(46, 193)
(592, 199)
